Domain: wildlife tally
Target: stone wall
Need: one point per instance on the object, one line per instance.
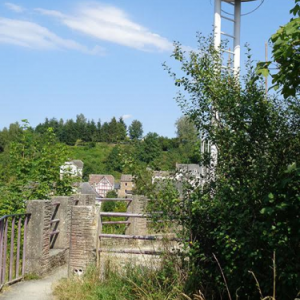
(46, 251)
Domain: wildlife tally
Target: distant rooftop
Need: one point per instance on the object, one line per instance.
(86, 188)
(126, 178)
(96, 178)
(78, 163)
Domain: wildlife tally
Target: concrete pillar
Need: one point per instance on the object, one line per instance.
(38, 236)
(83, 241)
(138, 226)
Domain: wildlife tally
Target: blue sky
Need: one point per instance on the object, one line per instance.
(104, 59)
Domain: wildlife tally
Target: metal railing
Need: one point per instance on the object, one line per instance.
(126, 215)
(54, 222)
(13, 235)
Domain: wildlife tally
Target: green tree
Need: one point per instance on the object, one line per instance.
(105, 133)
(98, 131)
(189, 141)
(149, 149)
(113, 130)
(8, 135)
(69, 135)
(246, 211)
(135, 130)
(91, 130)
(122, 130)
(286, 55)
(115, 159)
(34, 170)
(81, 127)
(186, 131)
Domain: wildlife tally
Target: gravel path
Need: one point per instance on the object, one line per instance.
(40, 289)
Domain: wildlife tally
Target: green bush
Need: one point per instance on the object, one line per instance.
(249, 207)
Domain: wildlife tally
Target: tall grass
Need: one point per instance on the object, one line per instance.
(166, 282)
(132, 284)
(152, 281)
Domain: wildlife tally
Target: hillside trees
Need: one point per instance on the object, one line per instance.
(33, 170)
(9, 135)
(84, 130)
(249, 209)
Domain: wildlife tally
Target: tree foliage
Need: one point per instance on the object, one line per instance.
(149, 149)
(33, 170)
(286, 55)
(249, 207)
(82, 130)
(135, 130)
(186, 131)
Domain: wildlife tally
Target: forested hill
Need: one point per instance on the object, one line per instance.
(108, 147)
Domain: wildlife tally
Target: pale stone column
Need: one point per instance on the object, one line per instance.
(38, 236)
(83, 240)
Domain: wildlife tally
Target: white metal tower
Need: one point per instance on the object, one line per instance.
(235, 19)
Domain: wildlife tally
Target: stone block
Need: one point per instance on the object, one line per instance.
(38, 233)
(83, 240)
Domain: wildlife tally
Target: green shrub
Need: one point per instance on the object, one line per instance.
(249, 207)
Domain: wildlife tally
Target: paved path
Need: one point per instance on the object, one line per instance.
(40, 289)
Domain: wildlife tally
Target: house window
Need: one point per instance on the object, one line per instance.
(125, 183)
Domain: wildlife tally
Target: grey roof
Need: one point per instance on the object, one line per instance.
(78, 163)
(117, 186)
(86, 188)
(126, 178)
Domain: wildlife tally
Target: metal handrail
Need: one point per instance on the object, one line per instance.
(114, 199)
(10, 268)
(15, 215)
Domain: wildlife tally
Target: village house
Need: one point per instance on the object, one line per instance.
(194, 174)
(192, 170)
(73, 168)
(160, 175)
(102, 183)
(126, 186)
